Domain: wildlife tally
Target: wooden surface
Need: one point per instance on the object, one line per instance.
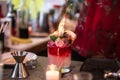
(37, 45)
(39, 72)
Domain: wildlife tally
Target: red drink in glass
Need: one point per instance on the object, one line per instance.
(60, 56)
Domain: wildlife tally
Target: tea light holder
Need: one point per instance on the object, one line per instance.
(52, 72)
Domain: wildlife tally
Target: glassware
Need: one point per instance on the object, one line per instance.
(11, 15)
(33, 14)
(59, 47)
(22, 20)
(82, 76)
(60, 56)
(52, 72)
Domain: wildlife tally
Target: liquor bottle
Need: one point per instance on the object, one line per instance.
(11, 15)
(33, 10)
(39, 29)
(22, 20)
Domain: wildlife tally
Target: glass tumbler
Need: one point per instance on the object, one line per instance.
(60, 56)
(82, 76)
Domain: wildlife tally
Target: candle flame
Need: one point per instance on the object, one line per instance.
(52, 67)
(61, 27)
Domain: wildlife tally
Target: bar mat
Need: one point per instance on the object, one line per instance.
(97, 67)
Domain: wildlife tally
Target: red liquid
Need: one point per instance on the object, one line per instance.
(60, 56)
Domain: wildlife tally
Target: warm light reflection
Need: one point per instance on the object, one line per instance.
(52, 67)
(30, 29)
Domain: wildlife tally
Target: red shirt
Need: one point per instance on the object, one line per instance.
(98, 29)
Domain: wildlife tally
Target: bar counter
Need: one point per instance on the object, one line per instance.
(37, 45)
(39, 72)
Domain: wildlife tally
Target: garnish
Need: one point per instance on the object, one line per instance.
(53, 38)
(59, 42)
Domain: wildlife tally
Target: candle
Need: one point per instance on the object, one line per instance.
(52, 73)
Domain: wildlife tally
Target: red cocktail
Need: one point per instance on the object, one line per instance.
(57, 55)
(59, 52)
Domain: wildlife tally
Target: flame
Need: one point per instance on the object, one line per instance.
(52, 67)
(61, 27)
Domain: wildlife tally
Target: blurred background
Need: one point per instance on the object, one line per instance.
(30, 17)
(43, 15)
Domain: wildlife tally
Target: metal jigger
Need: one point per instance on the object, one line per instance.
(19, 70)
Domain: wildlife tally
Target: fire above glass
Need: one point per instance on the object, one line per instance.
(59, 46)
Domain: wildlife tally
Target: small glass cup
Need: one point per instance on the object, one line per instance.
(52, 72)
(60, 56)
(82, 76)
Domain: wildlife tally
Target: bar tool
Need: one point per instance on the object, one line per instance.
(19, 70)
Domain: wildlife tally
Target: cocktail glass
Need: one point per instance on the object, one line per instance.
(60, 56)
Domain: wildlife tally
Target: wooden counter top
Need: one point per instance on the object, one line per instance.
(39, 72)
(37, 45)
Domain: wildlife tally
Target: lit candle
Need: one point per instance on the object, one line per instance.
(52, 73)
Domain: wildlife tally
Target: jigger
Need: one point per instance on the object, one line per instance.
(19, 70)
